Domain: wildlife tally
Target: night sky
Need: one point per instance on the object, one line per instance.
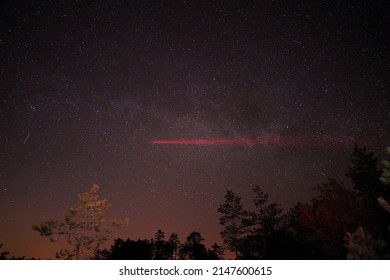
(168, 104)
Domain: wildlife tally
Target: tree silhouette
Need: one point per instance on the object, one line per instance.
(385, 202)
(165, 250)
(174, 245)
(265, 221)
(366, 178)
(128, 250)
(159, 246)
(292, 240)
(3, 255)
(232, 218)
(215, 252)
(365, 174)
(101, 254)
(193, 248)
(83, 227)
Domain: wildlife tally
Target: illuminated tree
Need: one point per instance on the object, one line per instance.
(385, 178)
(83, 228)
(327, 218)
(362, 246)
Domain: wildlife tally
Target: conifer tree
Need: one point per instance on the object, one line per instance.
(364, 174)
(83, 227)
(233, 214)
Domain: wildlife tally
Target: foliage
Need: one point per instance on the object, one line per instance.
(3, 255)
(364, 173)
(165, 250)
(232, 217)
(127, 250)
(250, 233)
(384, 203)
(328, 217)
(216, 252)
(261, 226)
(159, 248)
(83, 227)
(194, 249)
(385, 178)
(173, 246)
(362, 246)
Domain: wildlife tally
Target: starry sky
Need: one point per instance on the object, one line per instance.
(168, 104)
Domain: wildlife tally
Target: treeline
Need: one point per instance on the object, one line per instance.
(343, 221)
(4, 255)
(160, 249)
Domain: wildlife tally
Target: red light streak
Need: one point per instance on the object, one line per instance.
(275, 141)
